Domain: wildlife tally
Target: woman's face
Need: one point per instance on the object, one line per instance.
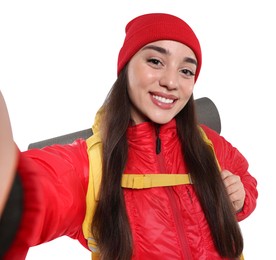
(161, 81)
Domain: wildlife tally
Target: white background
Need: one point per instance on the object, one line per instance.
(58, 60)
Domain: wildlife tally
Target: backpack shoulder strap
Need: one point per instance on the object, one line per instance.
(94, 150)
(209, 142)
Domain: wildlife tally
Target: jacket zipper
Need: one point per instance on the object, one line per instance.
(158, 140)
(179, 226)
(175, 211)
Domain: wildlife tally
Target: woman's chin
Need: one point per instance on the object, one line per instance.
(161, 120)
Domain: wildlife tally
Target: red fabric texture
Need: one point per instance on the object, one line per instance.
(169, 221)
(54, 181)
(166, 222)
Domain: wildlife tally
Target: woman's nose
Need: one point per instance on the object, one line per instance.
(169, 79)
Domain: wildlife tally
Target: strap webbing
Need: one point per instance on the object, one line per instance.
(143, 181)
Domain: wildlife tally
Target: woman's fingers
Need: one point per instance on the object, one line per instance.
(235, 189)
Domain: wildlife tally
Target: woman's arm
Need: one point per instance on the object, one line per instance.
(241, 185)
(54, 185)
(8, 155)
(54, 181)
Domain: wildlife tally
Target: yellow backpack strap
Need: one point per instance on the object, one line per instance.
(133, 181)
(94, 149)
(209, 142)
(143, 181)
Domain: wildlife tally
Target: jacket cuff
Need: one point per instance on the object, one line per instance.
(10, 220)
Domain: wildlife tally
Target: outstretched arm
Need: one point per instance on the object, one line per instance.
(8, 154)
(53, 182)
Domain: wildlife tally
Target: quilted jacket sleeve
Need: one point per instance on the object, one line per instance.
(232, 160)
(54, 181)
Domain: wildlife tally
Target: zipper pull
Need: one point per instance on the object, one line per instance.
(158, 141)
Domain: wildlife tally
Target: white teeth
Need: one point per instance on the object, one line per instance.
(163, 100)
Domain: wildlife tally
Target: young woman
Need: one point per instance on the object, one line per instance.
(164, 186)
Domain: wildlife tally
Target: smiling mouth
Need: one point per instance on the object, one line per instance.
(163, 100)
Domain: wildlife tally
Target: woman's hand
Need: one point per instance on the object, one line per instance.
(234, 189)
(8, 154)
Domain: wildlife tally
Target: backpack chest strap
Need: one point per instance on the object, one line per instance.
(143, 181)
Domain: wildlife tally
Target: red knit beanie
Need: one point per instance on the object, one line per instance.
(153, 27)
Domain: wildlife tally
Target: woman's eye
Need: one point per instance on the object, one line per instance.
(154, 61)
(188, 72)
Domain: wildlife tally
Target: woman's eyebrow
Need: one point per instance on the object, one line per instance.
(156, 48)
(190, 60)
(164, 51)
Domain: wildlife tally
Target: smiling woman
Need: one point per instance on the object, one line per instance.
(166, 64)
(162, 183)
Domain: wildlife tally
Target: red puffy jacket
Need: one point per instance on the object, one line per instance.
(166, 222)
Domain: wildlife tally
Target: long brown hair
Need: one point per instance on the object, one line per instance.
(110, 224)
